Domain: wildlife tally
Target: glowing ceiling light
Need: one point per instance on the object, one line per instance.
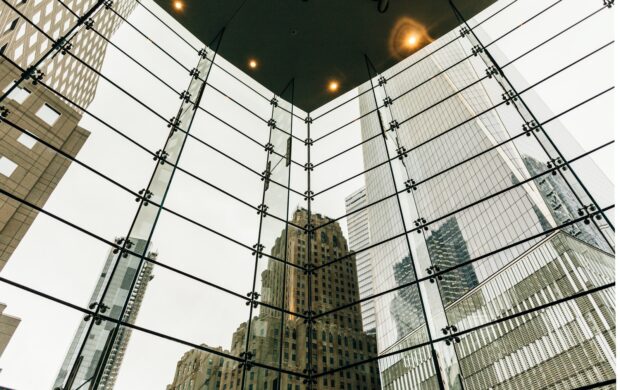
(178, 5)
(412, 39)
(252, 64)
(333, 86)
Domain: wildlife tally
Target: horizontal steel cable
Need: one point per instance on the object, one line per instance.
(463, 208)
(191, 174)
(457, 63)
(126, 324)
(445, 170)
(443, 70)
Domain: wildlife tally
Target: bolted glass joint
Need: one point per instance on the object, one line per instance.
(420, 224)
(433, 272)
(308, 195)
(258, 249)
(195, 73)
(382, 81)
(34, 74)
(309, 269)
(247, 360)
(530, 126)
(271, 123)
(394, 125)
(269, 147)
(309, 317)
(589, 211)
(556, 164)
(174, 123)
(509, 96)
(464, 31)
(401, 152)
(144, 196)
(253, 299)
(410, 185)
(203, 53)
(95, 317)
(185, 96)
(450, 331)
(161, 156)
(123, 246)
(477, 49)
(89, 23)
(387, 101)
(274, 102)
(491, 71)
(108, 4)
(262, 209)
(310, 372)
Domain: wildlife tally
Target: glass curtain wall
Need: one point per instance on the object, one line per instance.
(167, 222)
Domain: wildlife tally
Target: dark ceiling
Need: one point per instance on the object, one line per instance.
(316, 41)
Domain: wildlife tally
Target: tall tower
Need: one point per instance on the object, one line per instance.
(28, 168)
(88, 362)
(450, 151)
(359, 237)
(336, 339)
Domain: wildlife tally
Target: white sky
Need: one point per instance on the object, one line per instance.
(65, 263)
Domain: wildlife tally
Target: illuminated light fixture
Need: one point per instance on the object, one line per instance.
(406, 37)
(178, 5)
(333, 86)
(412, 39)
(253, 64)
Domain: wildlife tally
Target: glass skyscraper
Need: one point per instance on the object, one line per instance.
(342, 199)
(359, 238)
(83, 360)
(445, 131)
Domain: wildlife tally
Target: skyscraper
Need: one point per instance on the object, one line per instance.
(564, 346)
(74, 76)
(359, 237)
(562, 203)
(27, 168)
(199, 370)
(87, 357)
(336, 340)
(436, 115)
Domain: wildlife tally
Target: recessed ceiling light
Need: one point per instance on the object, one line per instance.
(333, 86)
(253, 64)
(412, 40)
(178, 5)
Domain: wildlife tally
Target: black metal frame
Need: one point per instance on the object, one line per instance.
(310, 374)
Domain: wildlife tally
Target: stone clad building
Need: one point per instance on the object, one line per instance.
(337, 339)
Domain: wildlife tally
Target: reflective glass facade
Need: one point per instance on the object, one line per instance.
(447, 225)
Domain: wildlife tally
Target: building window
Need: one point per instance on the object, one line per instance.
(26, 140)
(11, 26)
(7, 167)
(18, 94)
(48, 114)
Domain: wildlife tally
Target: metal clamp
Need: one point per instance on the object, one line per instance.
(420, 224)
(555, 165)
